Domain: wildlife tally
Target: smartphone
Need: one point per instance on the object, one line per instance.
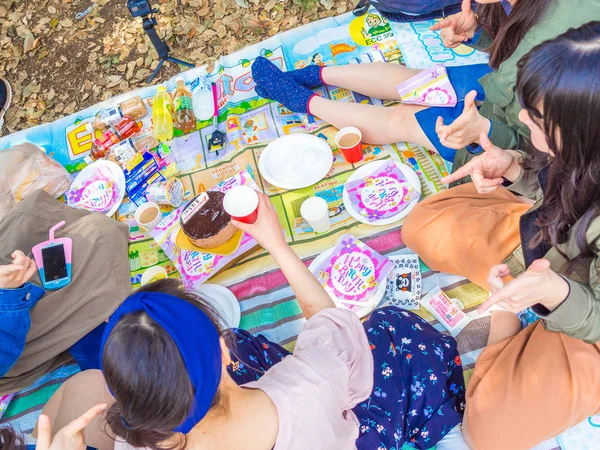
(55, 265)
(53, 259)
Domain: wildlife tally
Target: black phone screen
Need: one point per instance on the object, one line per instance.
(55, 266)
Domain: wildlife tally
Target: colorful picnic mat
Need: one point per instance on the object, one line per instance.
(250, 122)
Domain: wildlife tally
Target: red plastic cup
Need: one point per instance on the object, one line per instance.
(352, 150)
(241, 203)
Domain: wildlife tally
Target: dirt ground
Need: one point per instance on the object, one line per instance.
(58, 64)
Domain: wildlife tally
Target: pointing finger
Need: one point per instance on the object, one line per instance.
(459, 173)
(444, 23)
(84, 420)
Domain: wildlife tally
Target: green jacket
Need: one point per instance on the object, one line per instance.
(501, 105)
(579, 315)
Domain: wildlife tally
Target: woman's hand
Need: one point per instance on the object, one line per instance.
(466, 129)
(487, 169)
(70, 437)
(538, 285)
(458, 27)
(16, 274)
(266, 230)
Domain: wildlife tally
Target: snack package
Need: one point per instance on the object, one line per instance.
(446, 311)
(166, 193)
(404, 286)
(383, 193)
(142, 171)
(123, 152)
(353, 272)
(98, 192)
(430, 87)
(26, 168)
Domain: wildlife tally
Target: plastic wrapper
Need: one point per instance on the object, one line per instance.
(25, 168)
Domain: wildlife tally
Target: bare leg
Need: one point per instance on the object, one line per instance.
(504, 325)
(377, 80)
(378, 124)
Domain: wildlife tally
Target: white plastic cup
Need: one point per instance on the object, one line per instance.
(140, 217)
(241, 203)
(154, 274)
(316, 212)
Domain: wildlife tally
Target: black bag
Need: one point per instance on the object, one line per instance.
(411, 10)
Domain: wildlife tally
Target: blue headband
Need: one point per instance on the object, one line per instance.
(195, 336)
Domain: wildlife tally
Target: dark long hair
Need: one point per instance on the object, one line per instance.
(147, 376)
(508, 31)
(558, 83)
(10, 440)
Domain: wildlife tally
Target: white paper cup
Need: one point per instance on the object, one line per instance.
(316, 212)
(154, 274)
(241, 203)
(140, 217)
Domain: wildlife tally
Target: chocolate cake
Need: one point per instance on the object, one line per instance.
(205, 222)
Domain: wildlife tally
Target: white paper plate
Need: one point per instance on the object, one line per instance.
(362, 312)
(362, 172)
(224, 301)
(295, 161)
(117, 175)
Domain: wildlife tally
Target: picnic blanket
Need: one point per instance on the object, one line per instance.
(268, 305)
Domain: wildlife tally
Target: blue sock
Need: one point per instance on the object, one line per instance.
(309, 76)
(274, 84)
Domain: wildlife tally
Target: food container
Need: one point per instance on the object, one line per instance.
(166, 193)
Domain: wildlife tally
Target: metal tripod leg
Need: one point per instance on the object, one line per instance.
(162, 61)
(160, 64)
(179, 61)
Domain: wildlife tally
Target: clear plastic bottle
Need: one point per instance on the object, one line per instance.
(185, 120)
(162, 115)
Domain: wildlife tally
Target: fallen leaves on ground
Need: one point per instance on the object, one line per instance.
(57, 64)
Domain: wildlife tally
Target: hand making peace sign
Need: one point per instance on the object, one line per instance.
(488, 169)
(68, 438)
(458, 27)
(539, 284)
(466, 128)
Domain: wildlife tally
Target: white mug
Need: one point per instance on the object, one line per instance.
(156, 219)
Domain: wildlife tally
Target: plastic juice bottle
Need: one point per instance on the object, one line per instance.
(162, 119)
(185, 120)
(123, 129)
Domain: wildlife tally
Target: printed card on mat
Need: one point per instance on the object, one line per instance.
(430, 87)
(197, 267)
(353, 272)
(404, 286)
(446, 310)
(383, 193)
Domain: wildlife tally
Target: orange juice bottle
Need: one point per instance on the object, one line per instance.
(185, 120)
